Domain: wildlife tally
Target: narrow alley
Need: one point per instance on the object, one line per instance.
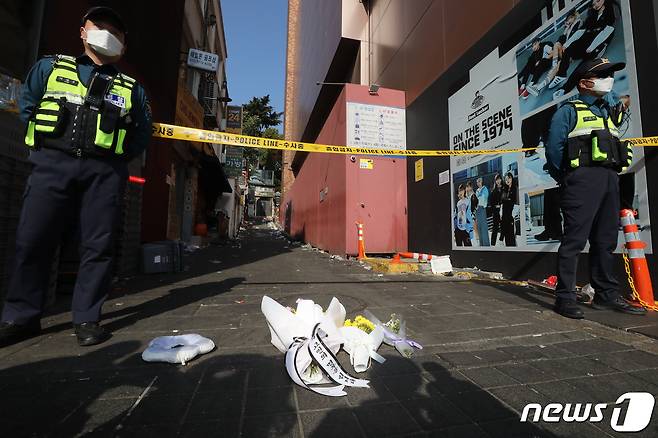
(489, 349)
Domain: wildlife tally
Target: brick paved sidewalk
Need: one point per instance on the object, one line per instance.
(489, 350)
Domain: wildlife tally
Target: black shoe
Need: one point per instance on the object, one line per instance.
(620, 305)
(90, 333)
(568, 309)
(12, 333)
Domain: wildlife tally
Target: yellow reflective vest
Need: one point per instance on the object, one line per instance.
(594, 141)
(69, 119)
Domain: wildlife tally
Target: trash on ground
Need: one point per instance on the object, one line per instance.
(441, 265)
(177, 349)
(585, 294)
(550, 281)
(478, 273)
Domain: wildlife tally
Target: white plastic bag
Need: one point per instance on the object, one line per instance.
(177, 349)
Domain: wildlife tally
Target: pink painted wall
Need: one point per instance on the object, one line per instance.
(377, 197)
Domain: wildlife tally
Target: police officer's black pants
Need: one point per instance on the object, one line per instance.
(589, 199)
(62, 191)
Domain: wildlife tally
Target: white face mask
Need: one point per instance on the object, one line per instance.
(602, 85)
(103, 42)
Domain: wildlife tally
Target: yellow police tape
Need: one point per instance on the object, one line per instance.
(174, 132)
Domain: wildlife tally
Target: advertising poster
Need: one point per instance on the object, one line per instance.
(508, 202)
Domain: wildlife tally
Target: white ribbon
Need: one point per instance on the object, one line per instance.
(325, 360)
(295, 375)
(329, 363)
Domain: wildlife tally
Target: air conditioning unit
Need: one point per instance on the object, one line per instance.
(210, 90)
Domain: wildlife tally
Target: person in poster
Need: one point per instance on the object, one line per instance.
(539, 62)
(495, 201)
(584, 156)
(463, 218)
(482, 194)
(510, 198)
(589, 42)
(571, 25)
(474, 205)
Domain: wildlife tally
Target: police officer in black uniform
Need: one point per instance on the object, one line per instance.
(585, 155)
(85, 121)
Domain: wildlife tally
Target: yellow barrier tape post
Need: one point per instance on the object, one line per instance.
(174, 132)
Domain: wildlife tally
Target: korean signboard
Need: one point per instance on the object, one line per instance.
(202, 60)
(234, 119)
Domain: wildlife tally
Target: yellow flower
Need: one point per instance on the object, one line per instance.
(361, 323)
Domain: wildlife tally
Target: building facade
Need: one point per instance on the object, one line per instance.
(462, 66)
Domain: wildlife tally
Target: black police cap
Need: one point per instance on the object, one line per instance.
(591, 68)
(106, 15)
(597, 67)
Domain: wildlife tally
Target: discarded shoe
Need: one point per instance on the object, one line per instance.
(620, 305)
(12, 333)
(90, 333)
(568, 309)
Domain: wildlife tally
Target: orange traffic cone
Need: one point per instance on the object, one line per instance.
(416, 255)
(362, 245)
(396, 259)
(639, 277)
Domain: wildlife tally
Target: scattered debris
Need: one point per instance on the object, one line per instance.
(239, 301)
(191, 248)
(441, 265)
(551, 281)
(477, 273)
(585, 294)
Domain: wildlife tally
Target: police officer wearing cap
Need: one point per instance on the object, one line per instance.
(84, 121)
(585, 155)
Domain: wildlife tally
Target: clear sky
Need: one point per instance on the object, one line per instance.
(256, 44)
